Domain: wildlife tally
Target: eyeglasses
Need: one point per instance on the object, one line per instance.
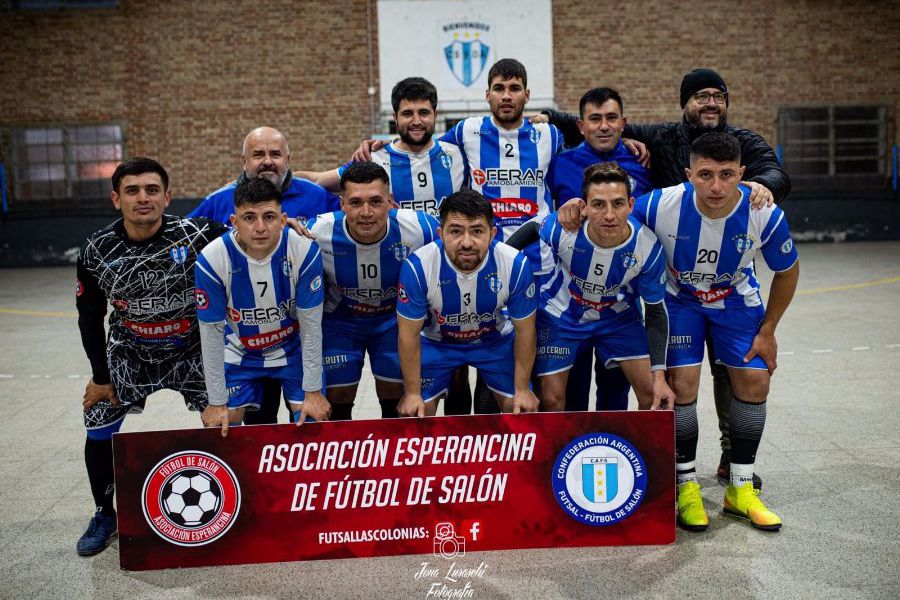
(705, 97)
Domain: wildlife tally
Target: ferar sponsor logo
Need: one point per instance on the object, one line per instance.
(261, 315)
(696, 277)
(463, 318)
(499, 177)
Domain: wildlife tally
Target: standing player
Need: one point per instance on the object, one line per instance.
(711, 235)
(590, 300)
(363, 246)
(142, 264)
(476, 300)
(509, 157)
(422, 171)
(265, 153)
(263, 283)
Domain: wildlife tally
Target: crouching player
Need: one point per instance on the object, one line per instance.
(363, 247)
(591, 298)
(457, 289)
(265, 284)
(710, 236)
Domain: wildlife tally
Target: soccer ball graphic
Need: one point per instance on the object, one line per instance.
(191, 498)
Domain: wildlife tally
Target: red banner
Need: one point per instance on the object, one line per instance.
(447, 485)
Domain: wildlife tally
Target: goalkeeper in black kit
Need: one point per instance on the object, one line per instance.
(143, 265)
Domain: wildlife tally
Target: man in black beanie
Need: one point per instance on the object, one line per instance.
(704, 102)
(707, 111)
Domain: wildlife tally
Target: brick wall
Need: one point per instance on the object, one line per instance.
(190, 79)
(770, 53)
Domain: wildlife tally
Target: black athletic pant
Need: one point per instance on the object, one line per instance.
(612, 385)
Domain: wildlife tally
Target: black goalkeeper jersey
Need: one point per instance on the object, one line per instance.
(150, 285)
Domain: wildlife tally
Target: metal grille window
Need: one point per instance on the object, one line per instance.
(842, 143)
(50, 163)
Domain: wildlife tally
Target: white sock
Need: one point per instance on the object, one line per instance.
(685, 472)
(741, 474)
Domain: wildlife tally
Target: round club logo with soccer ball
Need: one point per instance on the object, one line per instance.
(599, 479)
(191, 498)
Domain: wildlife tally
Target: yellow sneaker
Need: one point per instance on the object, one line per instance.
(691, 514)
(744, 502)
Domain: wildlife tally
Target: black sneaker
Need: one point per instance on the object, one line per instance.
(100, 531)
(724, 471)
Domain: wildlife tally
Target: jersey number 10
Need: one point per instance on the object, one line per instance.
(368, 270)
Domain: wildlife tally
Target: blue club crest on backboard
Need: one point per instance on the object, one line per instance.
(467, 50)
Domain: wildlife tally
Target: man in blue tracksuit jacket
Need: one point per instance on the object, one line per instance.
(266, 154)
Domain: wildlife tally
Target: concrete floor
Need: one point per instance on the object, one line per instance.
(830, 459)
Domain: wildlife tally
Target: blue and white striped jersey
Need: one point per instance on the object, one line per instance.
(421, 181)
(711, 260)
(591, 282)
(361, 279)
(259, 299)
(466, 307)
(510, 168)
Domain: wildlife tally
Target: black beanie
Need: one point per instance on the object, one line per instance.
(700, 79)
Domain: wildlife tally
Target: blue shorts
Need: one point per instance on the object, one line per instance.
(732, 331)
(618, 337)
(494, 360)
(245, 387)
(345, 341)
